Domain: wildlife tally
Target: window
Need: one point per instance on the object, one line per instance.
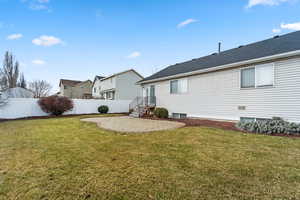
(258, 76)
(179, 115)
(247, 119)
(253, 119)
(174, 87)
(178, 86)
(264, 75)
(262, 119)
(248, 77)
(95, 90)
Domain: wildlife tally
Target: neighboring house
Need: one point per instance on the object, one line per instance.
(76, 89)
(96, 90)
(120, 86)
(17, 92)
(259, 80)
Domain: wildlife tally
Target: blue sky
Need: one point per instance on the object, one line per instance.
(76, 39)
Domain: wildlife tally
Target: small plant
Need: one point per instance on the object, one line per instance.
(103, 109)
(276, 125)
(55, 105)
(161, 113)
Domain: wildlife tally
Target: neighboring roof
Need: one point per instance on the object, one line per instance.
(117, 74)
(17, 92)
(276, 45)
(83, 82)
(69, 82)
(98, 78)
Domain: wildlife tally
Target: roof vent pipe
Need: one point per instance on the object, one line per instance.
(219, 50)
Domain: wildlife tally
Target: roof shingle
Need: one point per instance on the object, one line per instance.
(269, 47)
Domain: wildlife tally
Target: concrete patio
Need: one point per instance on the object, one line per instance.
(133, 125)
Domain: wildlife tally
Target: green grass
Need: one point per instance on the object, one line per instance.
(68, 159)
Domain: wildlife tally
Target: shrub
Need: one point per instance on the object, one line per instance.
(103, 109)
(161, 112)
(56, 105)
(272, 126)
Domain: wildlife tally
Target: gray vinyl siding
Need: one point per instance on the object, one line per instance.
(126, 87)
(218, 95)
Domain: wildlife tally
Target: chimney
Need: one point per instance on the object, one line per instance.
(219, 50)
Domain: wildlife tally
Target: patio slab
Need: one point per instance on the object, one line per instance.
(133, 125)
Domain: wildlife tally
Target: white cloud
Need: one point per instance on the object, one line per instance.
(14, 36)
(186, 22)
(276, 30)
(134, 54)
(252, 3)
(37, 4)
(47, 41)
(291, 26)
(38, 62)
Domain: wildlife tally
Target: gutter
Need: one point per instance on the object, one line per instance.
(212, 69)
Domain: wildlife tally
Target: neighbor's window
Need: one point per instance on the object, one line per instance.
(95, 90)
(264, 75)
(178, 86)
(248, 77)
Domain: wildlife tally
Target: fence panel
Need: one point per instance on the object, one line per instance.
(28, 107)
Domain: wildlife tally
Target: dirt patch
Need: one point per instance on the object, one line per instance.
(215, 124)
(202, 122)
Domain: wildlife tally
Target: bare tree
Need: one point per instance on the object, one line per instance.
(3, 99)
(9, 74)
(40, 88)
(22, 82)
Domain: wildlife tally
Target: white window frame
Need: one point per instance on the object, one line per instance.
(187, 86)
(273, 73)
(255, 74)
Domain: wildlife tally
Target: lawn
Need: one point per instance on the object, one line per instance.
(68, 159)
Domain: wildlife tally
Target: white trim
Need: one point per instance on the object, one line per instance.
(267, 58)
(265, 86)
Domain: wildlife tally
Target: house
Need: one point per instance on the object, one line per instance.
(120, 86)
(75, 89)
(96, 88)
(256, 81)
(17, 92)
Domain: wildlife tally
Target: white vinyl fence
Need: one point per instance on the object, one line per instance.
(27, 107)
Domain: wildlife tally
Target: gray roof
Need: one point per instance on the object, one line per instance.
(100, 77)
(269, 47)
